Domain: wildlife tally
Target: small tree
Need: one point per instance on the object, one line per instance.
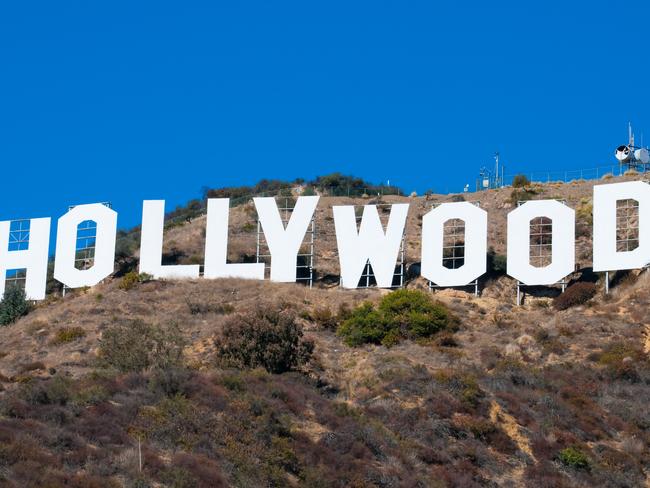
(520, 181)
(496, 263)
(267, 338)
(576, 294)
(14, 305)
(135, 346)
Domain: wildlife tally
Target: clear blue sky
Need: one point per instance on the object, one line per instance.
(131, 100)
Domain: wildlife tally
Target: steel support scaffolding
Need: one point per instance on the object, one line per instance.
(627, 229)
(85, 244)
(453, 248)
(540, 248)
(368, 277)
(18, 241)
(305, 264)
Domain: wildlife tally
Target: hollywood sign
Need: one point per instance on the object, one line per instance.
(357, 244)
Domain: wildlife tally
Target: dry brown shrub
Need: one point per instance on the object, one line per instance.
(577, 294)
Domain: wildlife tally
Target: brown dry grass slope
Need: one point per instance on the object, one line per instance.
(515, 396)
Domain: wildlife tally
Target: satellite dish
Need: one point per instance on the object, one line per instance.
(642, 155)
(623, 153)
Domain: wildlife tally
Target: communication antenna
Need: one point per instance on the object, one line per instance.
(630, 134)
(631, 156)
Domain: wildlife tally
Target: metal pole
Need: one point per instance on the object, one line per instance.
(311, 253)
(257, 248)
(401, 277)
(606, 282)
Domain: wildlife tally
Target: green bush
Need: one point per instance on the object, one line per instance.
(14, 305)
(49, 392)
(621, 360)
(496, 263)
(262, 338)
(68, 334)
(365, 324)
(136, 346)
(520, 181)
(132, 278)
(576, 294)
(574, 458)
(402, 314)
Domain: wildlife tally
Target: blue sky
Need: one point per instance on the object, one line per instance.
(124, 101)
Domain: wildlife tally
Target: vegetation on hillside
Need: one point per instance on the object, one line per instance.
(402, 314)
(333, 184)
(147, 418)
(263, 338)
(576, 294)
(13, 305)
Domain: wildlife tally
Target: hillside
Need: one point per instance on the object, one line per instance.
(499, 396)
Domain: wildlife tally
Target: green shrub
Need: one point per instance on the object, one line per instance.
(574, 458)
(49, 392)
(136, 346)
(263, 338)
(365, 324)
(463, 385)
(520, 181)
(132, 278)
(496, 263)
(621, 359)
(68, 334)
(402, 314)
(14, 305)
(576, 294)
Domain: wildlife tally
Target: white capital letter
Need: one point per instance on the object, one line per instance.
(475, 244)
(33, 259)
(606, 257)
(216, 246)
(66, 245)
(151, 243)
(562, 242)
(284, 244)
(370, 243)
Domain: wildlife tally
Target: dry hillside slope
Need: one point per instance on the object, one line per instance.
(500, 395)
